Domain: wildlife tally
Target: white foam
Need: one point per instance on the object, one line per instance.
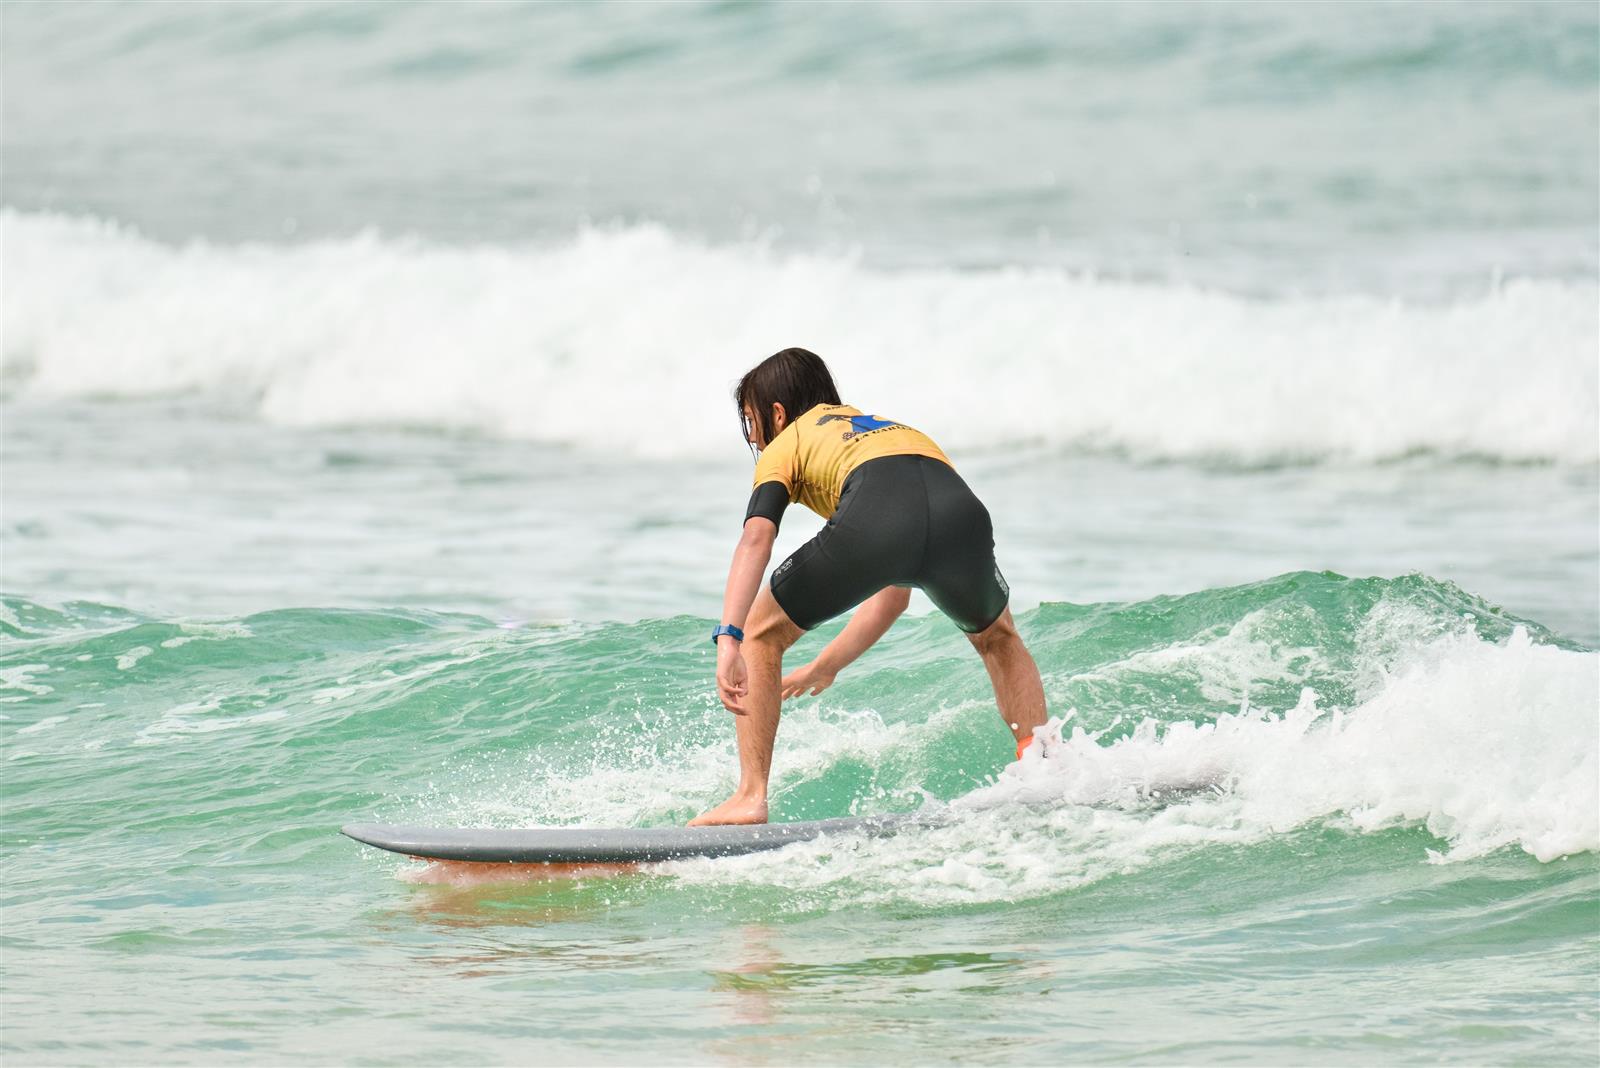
(128, 659)
(207, 632)
(1488, 746)
(42, 725)
(1462, 740)
(595, 342)
(197, 717)
(20, 677)
(1225, 662)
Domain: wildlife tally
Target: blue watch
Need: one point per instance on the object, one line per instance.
(729, 629)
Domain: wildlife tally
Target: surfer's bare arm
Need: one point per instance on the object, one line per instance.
(744, 580)
(871, 621)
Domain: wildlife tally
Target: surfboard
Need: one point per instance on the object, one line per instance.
(612, 845)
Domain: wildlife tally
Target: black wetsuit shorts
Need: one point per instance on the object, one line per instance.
(901, 521)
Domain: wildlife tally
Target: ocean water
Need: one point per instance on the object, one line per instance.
(368, 454)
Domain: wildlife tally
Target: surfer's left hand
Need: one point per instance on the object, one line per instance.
(811, 678)
(732, 677)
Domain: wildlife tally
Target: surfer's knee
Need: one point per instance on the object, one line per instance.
(768, 625)
(997, 636)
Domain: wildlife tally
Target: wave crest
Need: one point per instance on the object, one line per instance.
(595, 343)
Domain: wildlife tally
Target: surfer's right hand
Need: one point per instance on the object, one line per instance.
(808, 678)
(732, 677)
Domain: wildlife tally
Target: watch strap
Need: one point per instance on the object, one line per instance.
(730, 630)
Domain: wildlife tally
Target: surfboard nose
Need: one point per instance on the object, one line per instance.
(365, 833)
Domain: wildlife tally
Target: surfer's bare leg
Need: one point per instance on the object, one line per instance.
(1018, 689)
(768, 632)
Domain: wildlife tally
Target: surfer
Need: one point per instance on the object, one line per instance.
(898, 517)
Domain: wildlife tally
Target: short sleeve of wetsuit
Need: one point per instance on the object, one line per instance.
(777, 475)
(768, 500)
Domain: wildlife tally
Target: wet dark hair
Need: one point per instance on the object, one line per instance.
(794, 378)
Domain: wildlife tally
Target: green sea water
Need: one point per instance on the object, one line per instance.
(1400, 869)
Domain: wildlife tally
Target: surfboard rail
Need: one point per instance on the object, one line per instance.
(619, 845)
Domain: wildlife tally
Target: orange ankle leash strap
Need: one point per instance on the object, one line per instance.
(1023, 745)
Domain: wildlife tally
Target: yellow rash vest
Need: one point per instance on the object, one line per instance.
(813, 455)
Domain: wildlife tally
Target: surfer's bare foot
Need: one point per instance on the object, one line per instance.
(733, 810)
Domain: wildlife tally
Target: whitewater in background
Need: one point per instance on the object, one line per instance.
(590, 344)
(369, 454)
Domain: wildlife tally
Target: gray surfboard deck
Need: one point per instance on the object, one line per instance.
(613, 845)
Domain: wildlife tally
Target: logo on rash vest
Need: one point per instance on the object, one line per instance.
(859, 424)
